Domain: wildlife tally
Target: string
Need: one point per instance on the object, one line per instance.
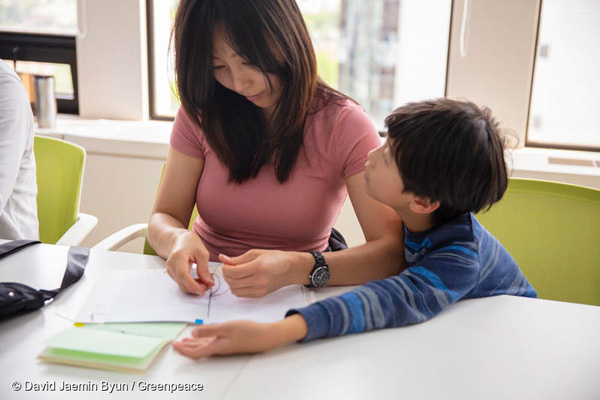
(215, 291)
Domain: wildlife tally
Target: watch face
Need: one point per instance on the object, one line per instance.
(320, 277)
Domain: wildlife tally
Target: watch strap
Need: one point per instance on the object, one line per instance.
(319, 263)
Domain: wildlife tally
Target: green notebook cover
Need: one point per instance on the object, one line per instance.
(118, 347)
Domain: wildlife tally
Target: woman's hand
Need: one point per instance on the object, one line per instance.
(241, 337)
(257, 273)
(187, 248)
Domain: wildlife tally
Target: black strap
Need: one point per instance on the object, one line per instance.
(76, 262)
(8, 248)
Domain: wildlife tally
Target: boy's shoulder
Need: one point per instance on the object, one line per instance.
(464, 242)
(460, 235)
(463, 228)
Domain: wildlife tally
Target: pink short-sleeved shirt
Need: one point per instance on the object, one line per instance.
(262, 213)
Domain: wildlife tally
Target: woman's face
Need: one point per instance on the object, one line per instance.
(237, 74)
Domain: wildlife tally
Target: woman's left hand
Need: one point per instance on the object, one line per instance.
(257, 273)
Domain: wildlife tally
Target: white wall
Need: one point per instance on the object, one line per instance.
(119, 191)
(112, 61)
(495, 67)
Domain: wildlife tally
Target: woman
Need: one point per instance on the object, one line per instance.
(268, 152)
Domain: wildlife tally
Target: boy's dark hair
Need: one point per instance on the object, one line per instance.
(449, 151)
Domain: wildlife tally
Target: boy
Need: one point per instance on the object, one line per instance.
(443, 161)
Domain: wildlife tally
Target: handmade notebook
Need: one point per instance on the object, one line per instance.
(117, 347)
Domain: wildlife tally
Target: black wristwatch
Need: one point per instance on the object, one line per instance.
(319, 276)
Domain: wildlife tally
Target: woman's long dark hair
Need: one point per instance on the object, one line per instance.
(271, 35)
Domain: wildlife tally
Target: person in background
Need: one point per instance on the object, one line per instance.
(443, 161)
(267, 152)
(18, 187)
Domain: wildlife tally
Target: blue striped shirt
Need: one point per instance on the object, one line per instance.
(457, 260)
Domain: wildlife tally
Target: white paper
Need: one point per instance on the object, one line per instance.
(152, 296)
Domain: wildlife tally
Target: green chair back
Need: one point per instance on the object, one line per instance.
(147, 248)
(59, 169)
(552, 230)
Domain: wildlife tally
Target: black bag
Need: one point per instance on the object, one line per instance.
(17, 297)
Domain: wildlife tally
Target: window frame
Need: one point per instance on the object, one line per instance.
(60, 49)
(537, 144)
(151, 82)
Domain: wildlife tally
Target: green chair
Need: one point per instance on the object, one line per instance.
(552, 230)
(132, 232)
(59, 170)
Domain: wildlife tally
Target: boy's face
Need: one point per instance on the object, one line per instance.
(383, 180)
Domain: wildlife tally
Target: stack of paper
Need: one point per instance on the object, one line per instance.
(118, 347)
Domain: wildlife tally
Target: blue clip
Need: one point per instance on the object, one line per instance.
(199, 321)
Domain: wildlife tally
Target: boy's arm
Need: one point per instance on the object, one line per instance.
(241, 337)
(414, 296)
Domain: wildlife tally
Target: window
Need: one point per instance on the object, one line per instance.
(38, 37)
(380, 52)
(564, 100)
(163, 93)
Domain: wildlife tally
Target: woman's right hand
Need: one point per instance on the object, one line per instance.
(186, 249)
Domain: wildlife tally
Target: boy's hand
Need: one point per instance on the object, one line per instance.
(241, 337)
(257, 273)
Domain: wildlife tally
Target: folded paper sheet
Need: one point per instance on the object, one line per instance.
(119, 347)
(152, 296)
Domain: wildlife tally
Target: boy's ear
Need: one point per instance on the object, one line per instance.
(423, 205)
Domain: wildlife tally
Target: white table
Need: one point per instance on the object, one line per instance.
(494, 348)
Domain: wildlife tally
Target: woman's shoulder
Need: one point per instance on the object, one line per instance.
(333, 103)
(183, 120)
(341, 120)
(346, 132)
(342, 111)
(185, 123)
(186, 133)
